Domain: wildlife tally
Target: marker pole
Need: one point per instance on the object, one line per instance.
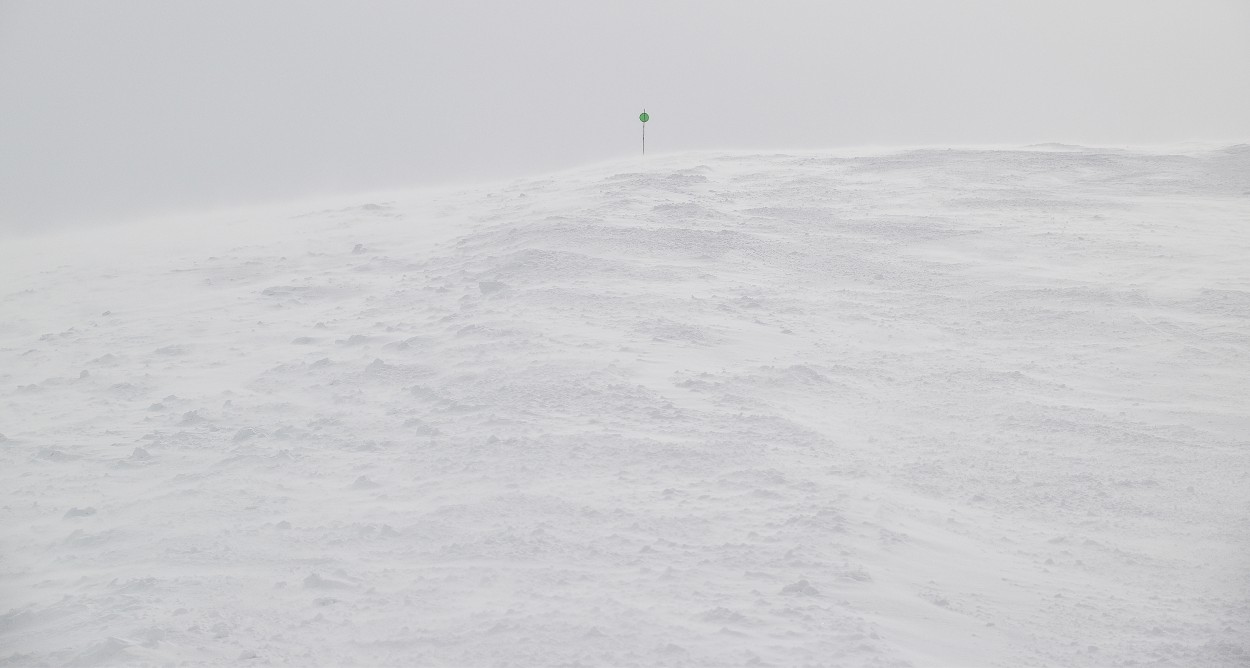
(644, 117)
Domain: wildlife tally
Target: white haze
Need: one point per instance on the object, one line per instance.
(117, 110)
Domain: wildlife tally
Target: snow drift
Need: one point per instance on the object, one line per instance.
(931, 407)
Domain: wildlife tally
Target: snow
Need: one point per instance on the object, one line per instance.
(976, 407)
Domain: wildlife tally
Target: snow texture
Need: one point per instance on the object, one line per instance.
(917, 408)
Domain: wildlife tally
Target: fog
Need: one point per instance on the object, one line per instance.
(133, 109)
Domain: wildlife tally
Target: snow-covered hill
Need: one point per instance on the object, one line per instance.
(931, 408)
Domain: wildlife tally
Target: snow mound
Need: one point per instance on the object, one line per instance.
(930, 407)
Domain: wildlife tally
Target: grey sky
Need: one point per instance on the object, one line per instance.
(132, 108)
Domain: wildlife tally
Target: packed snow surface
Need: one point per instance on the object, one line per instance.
(912, 408)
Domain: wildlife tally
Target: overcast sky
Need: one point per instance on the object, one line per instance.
(134, 108)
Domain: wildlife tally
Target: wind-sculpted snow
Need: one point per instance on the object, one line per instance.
(933, 407)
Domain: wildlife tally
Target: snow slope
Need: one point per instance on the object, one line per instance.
(930, 408)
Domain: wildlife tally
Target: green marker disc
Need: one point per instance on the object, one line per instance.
(644, 117)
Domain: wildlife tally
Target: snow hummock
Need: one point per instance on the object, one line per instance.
(927, 407)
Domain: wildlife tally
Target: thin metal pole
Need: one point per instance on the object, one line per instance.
(644, 138)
